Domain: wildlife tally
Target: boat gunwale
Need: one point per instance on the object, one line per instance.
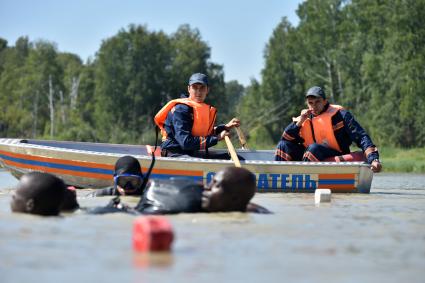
(20, 144)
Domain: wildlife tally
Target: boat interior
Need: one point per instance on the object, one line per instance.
(263, 155)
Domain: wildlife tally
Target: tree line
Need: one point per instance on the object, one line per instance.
(368, 55)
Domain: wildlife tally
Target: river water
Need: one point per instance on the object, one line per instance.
(376, 237)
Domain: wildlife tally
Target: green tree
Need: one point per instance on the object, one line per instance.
(14, 118)
(367, 55)
(3, 47)
(81, 120)
(189, 55)
(132, 74)
(233, 97)
(251, 114)
(391, 77)
(216, 95)
(283, 80)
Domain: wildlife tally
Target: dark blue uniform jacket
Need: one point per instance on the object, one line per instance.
(178, 126)
(345, 136)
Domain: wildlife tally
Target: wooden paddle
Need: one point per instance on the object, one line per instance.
(232, 152)
(241, 137)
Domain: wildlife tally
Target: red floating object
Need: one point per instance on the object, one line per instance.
(152, 233)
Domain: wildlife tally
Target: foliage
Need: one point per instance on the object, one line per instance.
(367, 54)
(369, 57)
(48, 94)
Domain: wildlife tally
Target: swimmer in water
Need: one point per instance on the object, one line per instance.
(39, 193)
(128, 179)
(230, 190)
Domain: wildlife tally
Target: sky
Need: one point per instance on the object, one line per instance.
(237, 31)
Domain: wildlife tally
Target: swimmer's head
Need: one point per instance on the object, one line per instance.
(128, 177)
(231, 189)
(38, 193)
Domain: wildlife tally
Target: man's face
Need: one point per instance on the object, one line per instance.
(197, 92)
(316, 104)
(213, 197)
(128, 184)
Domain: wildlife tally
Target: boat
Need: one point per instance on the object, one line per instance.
(91, 165)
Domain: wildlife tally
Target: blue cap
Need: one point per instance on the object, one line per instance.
(198, 78)
(316, 91)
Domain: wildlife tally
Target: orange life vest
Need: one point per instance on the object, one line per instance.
(323, 128)
(203, 117)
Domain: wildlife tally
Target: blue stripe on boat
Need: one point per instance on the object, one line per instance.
(58, 166)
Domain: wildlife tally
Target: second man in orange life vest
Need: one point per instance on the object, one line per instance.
(324, 130)
(188, 124)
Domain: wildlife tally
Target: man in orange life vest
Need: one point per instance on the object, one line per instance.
(187, 124)
(324, 130)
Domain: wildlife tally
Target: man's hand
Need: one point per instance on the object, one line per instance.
(121, 191)
(376, 166)
(222, 135)
(305, 114)
(235, 122)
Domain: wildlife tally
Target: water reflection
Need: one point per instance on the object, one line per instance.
(160, 260)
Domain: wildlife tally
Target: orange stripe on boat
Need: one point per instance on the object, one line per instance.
(58, 161)
(61, 171)
(88, 165)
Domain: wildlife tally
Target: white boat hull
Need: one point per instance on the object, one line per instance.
(91, 165)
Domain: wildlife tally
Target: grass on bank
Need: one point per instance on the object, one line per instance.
(403, 160)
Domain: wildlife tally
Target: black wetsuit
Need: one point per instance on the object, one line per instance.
(171, 196)
(177, 196)
(161, 197)
(167, 197)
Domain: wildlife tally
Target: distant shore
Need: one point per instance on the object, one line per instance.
(403, 160)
